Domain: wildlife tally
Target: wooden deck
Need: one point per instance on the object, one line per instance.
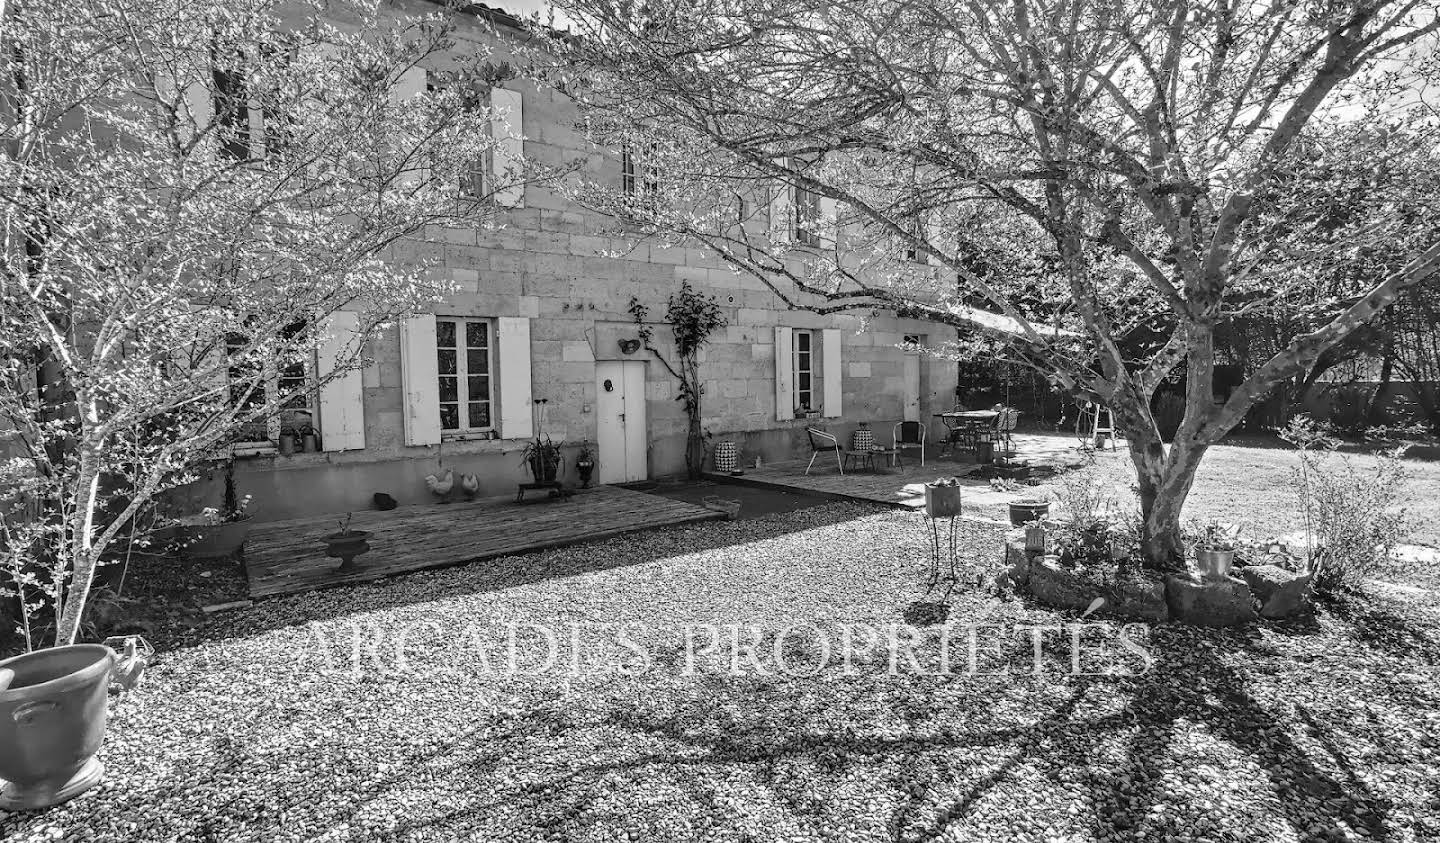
(285, 557)
(905, 486)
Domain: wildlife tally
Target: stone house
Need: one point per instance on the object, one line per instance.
(531, 342)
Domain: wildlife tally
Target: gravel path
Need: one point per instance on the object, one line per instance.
(262, 731)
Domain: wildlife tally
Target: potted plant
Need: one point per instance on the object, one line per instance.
(219, 532)
(1025, 510)
(286, 442)
(347, 544)
(942, 498)
(863, 439)
(542, 456)
(1215, 549)
(309, 442)
(53, 711)
(585, 464)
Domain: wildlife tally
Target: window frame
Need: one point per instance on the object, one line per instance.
(807, 231)
(638, 176)
(796, 370)
(462, 375)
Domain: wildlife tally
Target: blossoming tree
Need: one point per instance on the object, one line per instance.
(191, 193)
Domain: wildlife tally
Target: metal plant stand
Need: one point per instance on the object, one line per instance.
(940, 558)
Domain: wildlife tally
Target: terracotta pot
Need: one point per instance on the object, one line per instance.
(309, 444)
(1214, 564)
(347, 546)
(942, 501)
(1023, 512)
(219, 540)
(286, 444)
(52, 722)
(585, 469)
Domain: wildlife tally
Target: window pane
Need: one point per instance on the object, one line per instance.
(479, 413)
(802, 342)
(479, 388)
(805, 380)
(445, 334)
(450, 416)
(449, 389)
(477, 334)
(477, 360)
(445, 358)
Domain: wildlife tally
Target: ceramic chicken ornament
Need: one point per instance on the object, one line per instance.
(441, 486)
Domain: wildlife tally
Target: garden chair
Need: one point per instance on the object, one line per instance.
(822, 442)
(908, 434)
(1005, 428)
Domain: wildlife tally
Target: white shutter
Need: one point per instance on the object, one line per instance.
(507, 124)
(830, 355)
(200, 105)
(410, 85)
(829, 227)
(932, 234)
(515, 391)
(784, 374)
(421, 379)
(256, 114)
(342, 396)
(782, 222)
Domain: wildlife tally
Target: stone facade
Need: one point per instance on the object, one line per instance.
(572, 274)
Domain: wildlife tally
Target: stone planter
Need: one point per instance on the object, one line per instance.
(218, 540)
(942, 501)
(1214, 564)
(985, 452)
(585, 468)
(1023, 512)
(52, 722)
(347, 546)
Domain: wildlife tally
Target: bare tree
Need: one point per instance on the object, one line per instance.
(1090, 188)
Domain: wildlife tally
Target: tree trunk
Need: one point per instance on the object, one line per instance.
(81, 553)
(1164, 481)
(695, 448)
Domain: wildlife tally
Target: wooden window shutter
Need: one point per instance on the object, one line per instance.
(420, 375)
(830, 355)
(782, 212)
(507, 123)
(411, 84)
(829, 224)
(784, 373)
(515, 392)
(342, 396)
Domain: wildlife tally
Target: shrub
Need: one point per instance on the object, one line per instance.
(1354, 516)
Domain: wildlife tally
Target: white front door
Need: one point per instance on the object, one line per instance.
(620, 421)
(912, 382)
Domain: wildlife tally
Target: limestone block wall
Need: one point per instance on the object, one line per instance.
(572, 273)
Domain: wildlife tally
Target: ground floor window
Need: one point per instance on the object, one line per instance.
(804, 371)
(463, 349)
(258, 371)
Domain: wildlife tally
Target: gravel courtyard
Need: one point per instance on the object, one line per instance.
(1327, 730)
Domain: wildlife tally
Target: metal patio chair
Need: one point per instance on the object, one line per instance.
(822, 442)
(908, 434)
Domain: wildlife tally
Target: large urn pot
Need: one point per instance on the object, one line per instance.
(53, 710)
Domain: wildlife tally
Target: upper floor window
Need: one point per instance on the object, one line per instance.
(637, 171)
(463, 349)
(807, 216)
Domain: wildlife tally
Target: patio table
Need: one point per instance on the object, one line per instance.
(956, 421)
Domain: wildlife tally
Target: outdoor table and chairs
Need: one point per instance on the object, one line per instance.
(964, 428)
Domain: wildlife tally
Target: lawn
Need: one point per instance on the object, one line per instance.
(1249, 481)
(258, 729)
